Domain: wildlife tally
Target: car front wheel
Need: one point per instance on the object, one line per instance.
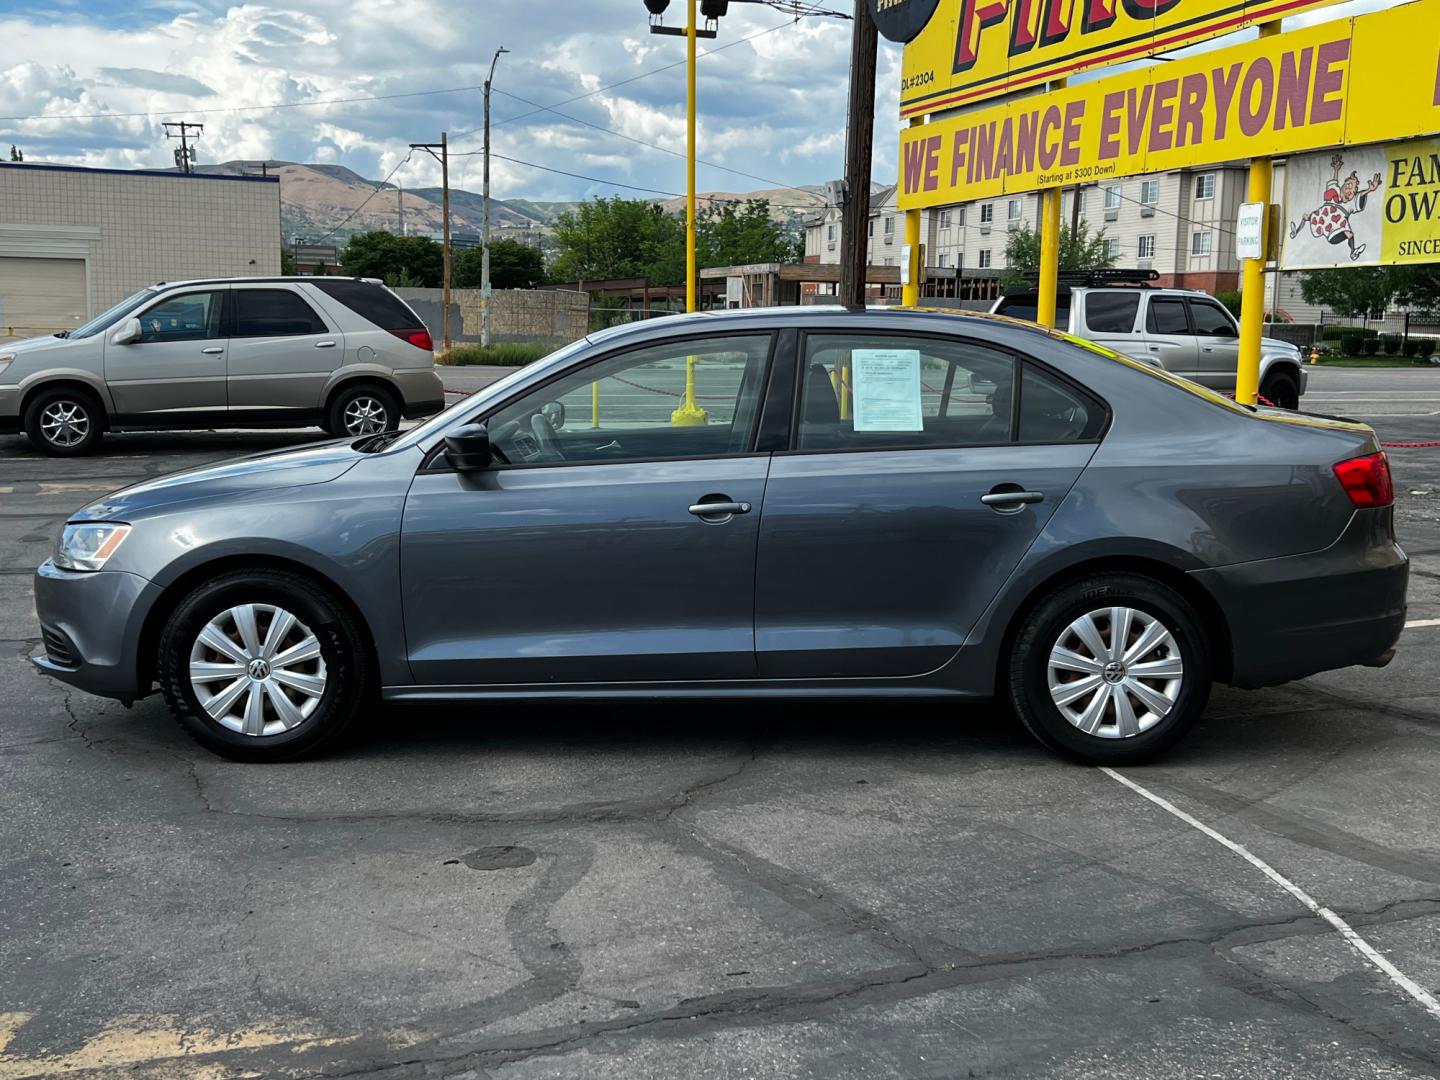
(1113, 669)
(263, 665)
(64, 422)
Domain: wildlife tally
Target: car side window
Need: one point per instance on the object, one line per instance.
(682, 399)
(1167, 316)
(1052, 410)
(883, 392)
(274, 313)
(1211, 320)
(186, 317)
(1111, 312)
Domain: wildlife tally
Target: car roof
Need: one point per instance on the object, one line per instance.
(290, 279)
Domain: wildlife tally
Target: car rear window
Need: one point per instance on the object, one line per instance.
(373, 302)
(1111, 312)
(274, 313)
(1025, 306)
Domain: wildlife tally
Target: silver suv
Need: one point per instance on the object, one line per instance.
(1187, 332)
(344, 353)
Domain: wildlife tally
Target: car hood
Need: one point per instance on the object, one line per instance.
(1277, 345)
(30, 344)
(317, 464)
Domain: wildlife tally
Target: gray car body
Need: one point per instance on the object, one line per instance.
(861, 572)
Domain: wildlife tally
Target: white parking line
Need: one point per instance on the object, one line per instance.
(1364, 948)
(1413, 623)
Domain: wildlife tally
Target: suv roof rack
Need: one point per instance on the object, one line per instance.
(1113, 276)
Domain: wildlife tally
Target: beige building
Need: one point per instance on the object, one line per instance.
(74, 241)
(1179, 224)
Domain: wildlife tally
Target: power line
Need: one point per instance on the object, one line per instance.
(378, 188)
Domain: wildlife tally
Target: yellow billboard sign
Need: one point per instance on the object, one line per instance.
(970, 50)
(1363, 206)
(1373, 78)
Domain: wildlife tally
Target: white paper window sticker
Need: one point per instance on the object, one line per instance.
(887, 389)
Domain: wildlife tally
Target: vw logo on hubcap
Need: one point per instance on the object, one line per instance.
(1114, 672)
(259, 670)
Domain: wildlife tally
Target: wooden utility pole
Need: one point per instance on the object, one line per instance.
(444, 158)
(859, 131)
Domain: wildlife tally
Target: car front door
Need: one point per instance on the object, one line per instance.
(1218, 341)
(1168, 339)
(913, 489)
(282, 352)
(591, 556)
(176, 368)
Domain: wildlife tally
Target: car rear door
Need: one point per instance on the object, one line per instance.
(1169, 341)
(1218, 340)
(591, 557)
(915, 483)
(175, 370)
(282, 352)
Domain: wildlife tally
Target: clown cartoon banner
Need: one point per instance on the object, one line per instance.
(1363, 206)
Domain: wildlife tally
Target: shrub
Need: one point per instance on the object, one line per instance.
(1427, 347)
(1412, 347)
(1372, 346)
(1390, 343)
(505, 354)
(1336, 333)
(1231, 300)
(1351, 343)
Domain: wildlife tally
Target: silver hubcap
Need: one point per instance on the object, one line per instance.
(1115, 672)
(257, 670)
(365, 416)
(64, 423)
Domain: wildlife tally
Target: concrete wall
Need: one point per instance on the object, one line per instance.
(134, 228)
(548, 316)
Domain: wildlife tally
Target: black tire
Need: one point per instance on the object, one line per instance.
(348, 675)
(79, 407)
(368, 395)
(1281, 390)
(1047, 625)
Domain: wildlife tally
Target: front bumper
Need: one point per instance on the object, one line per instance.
(91, 624)
(1301, 614)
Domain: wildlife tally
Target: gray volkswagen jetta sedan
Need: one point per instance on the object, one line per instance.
(796, 502)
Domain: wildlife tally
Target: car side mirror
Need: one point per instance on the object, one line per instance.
(128, 333)
(467, 448)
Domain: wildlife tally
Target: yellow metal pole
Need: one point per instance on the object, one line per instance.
(845, 393)
(594, 404)
(910, 293)
(1049, 282)
(689, 413)
(1252, 276)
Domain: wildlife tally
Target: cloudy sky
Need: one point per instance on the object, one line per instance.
(772, 98)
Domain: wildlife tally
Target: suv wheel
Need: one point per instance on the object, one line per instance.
(262, 665)
(1281, 390)
(64, 422)
(1111, 670)
(363, 410)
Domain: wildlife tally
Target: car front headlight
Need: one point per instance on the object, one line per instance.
(88, 546)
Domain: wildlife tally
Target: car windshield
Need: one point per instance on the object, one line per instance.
(418, 435)
(111, 315)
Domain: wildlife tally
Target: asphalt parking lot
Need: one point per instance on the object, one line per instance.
(609, 891)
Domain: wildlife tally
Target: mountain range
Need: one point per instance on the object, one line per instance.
(329, 203)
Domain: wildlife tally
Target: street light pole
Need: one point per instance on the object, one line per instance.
(485, 237)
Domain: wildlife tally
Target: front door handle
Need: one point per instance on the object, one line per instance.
(718, 509)
(1011, 498)
(324, 344)
(214, 350)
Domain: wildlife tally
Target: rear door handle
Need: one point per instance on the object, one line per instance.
(719, 509)
(214, 350)
(1011, 498)
(324, 344)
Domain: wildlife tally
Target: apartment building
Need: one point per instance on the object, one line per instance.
(1180, 224)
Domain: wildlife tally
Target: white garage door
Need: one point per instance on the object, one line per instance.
(40, 296)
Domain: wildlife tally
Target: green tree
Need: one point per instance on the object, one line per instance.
(513, 265)
(618, 238)
(384, 255)
(16, 154)
(1081, 251)
(287, 261)
(1360, 292)
(729, 236)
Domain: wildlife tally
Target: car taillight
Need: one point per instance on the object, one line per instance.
(419, 338)
(1367, 480)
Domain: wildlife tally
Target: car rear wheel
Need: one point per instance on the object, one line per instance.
(64, 422)
(363, 410)
(263, 665)
(1281, 390)
(1112, 669)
